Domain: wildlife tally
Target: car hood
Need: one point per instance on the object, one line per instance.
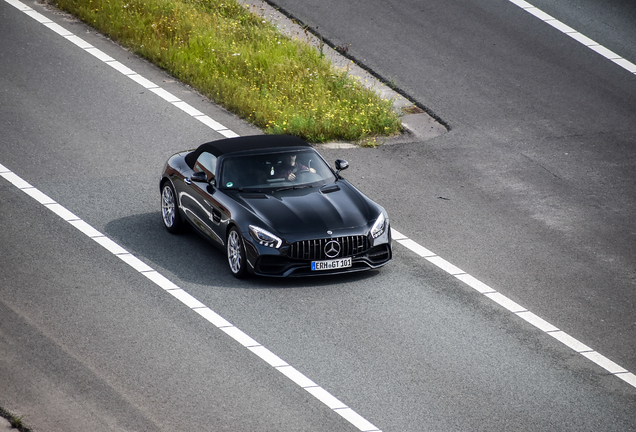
(310, 210)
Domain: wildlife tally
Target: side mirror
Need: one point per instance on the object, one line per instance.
(341, 164)
(199, 176)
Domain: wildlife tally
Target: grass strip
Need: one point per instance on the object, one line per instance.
(242, 62)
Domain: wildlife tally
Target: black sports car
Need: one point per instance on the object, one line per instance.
(275, 206)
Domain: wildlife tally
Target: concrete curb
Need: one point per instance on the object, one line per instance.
(5, 425)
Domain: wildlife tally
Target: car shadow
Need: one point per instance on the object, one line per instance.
(193, 259)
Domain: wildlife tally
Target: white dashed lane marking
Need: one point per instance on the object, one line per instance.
(191, 302)
(517, 309)
(238, 335)
(565, 29)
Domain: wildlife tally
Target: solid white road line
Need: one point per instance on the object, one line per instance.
(99, 54)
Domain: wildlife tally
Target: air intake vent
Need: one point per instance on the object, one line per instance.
(329, 188)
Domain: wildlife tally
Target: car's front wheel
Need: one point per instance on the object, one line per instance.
(169, 211)
(236, 254)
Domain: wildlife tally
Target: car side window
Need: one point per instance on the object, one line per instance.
(207, 164)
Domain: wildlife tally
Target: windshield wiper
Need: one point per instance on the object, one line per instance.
(249, 189)
(294, 187)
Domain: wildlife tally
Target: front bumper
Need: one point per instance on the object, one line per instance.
(285, 263)
(282, 266)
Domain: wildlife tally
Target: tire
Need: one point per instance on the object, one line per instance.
(169, 210)
(236, 254)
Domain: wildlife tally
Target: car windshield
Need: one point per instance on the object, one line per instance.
(275, 171)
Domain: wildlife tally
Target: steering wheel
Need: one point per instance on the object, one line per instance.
(305, 175)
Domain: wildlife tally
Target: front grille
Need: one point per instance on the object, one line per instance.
(314, 250)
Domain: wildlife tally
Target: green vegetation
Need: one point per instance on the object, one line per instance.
(16, 422)
(244, 63)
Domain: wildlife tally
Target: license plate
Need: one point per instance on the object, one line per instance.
(331, 264)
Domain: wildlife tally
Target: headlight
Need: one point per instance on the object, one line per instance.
(379, 226)
(265, 238)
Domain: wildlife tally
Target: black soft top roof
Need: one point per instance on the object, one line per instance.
(245, 143)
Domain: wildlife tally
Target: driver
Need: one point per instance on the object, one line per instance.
(290, 167)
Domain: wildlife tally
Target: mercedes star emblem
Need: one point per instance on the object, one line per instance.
(332, 249)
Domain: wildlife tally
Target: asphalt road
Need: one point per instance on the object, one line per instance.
(532, 192)
(539, 166)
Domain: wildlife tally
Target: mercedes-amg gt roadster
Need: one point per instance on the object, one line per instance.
(275, 207)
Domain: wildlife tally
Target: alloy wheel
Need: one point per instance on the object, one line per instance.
(168, 206)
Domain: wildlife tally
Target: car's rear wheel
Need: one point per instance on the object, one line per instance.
(169, 210)
(236, 254)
